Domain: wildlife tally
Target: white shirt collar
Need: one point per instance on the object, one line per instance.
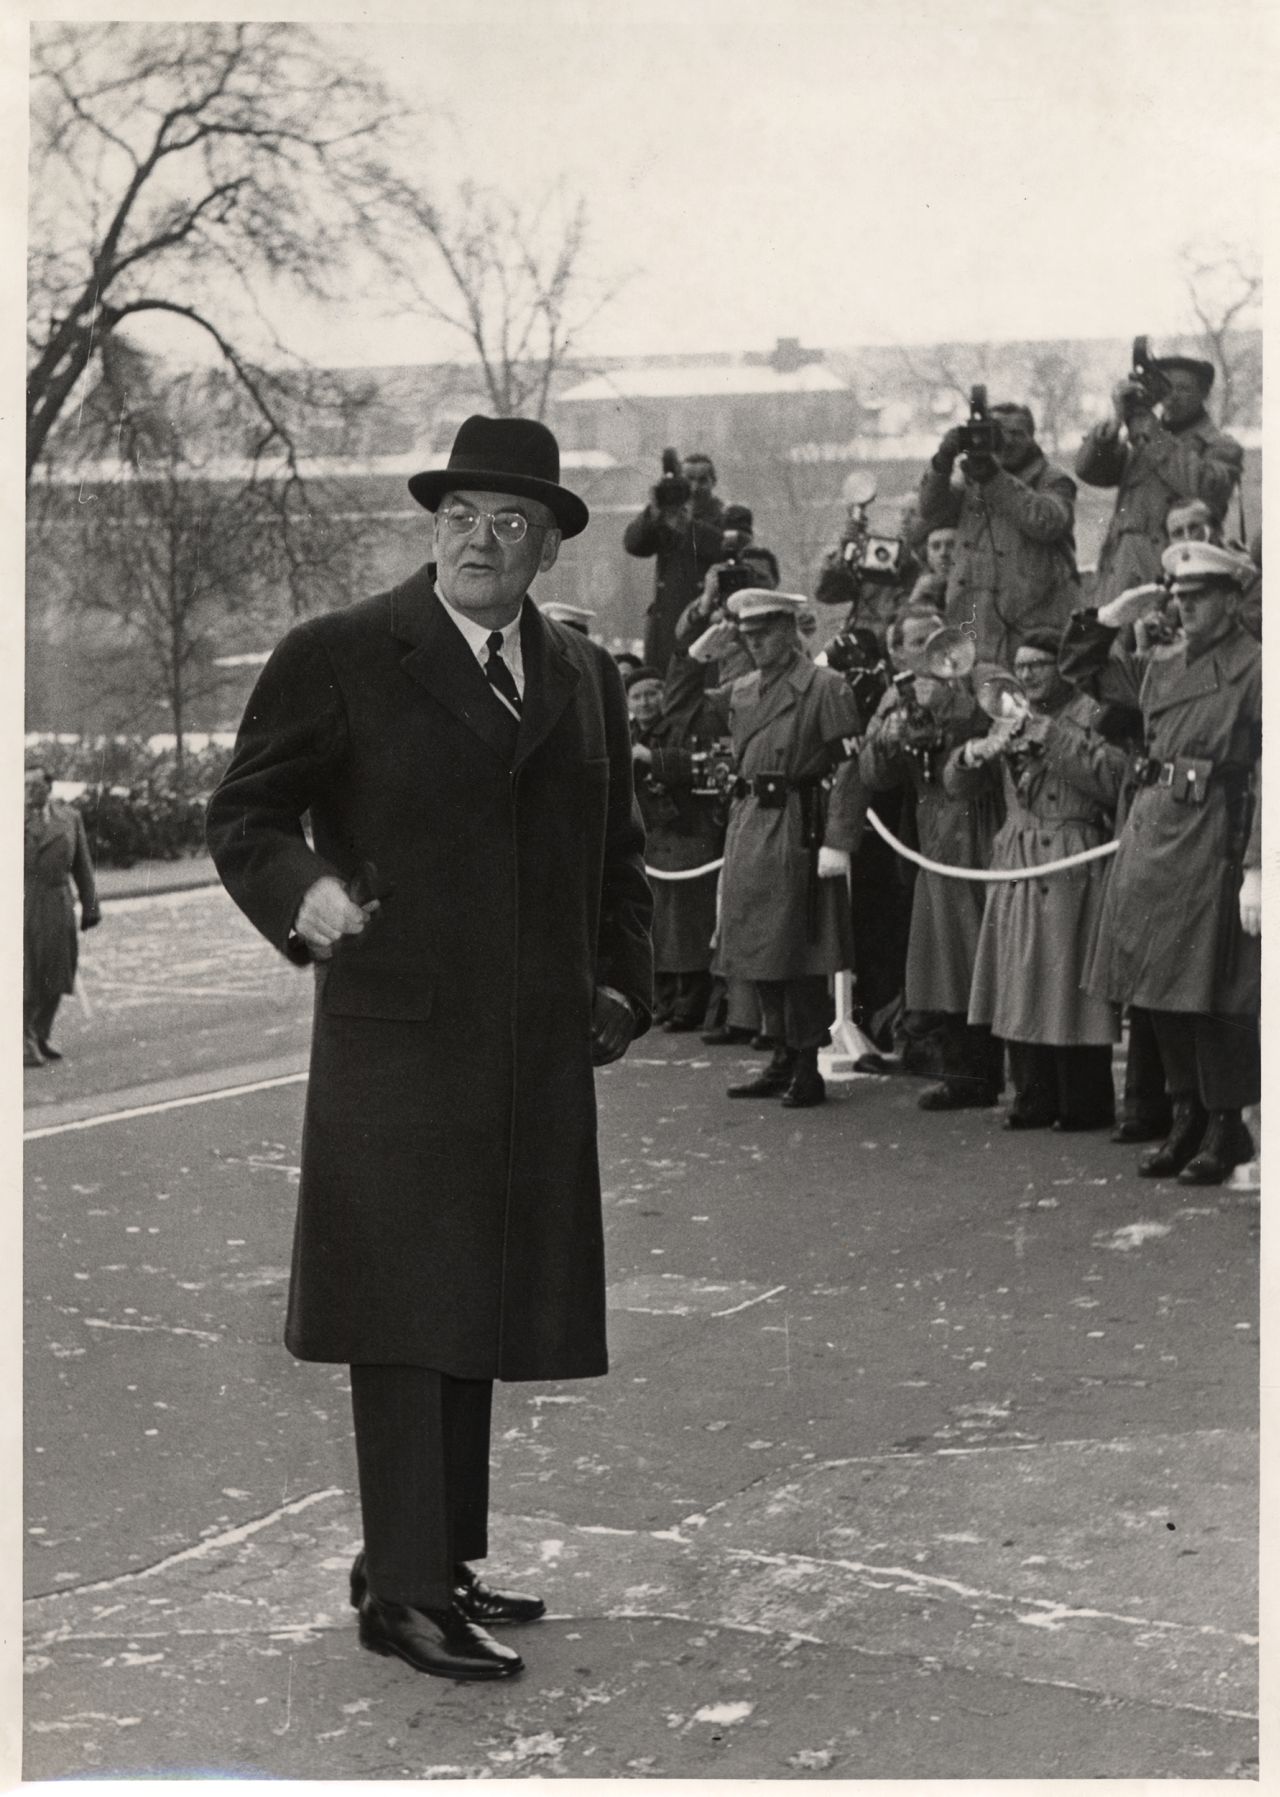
(476, 636)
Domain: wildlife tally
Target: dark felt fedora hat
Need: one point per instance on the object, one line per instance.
(504, 455)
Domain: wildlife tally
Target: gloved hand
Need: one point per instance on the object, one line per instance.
(979, 468)
(1251, 902)
(833, 864)
(90, 918)
(1129, 606)
(613, 1024)
(950, 447)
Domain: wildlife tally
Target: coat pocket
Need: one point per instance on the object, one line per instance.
(360, 985)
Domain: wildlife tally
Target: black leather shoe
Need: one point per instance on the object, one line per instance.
(442, 1643)
(760, 1041)
(49, 1052)
(1141, 1129)
(477, 1601)
(806, 1089)
(726, 1033)
(1190, 1120)
(1227, 1143)
(1070, 1125)
(772, 1082)
(481, 1603)
(676, 1026)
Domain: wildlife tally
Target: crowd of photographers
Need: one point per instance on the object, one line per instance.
(1020, 804)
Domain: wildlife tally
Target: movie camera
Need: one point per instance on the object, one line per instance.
(980, 434)
(1145, 375)
(672, 489)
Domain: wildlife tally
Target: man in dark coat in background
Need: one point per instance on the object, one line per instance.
(55, 852)
(686, 540)
(474, 900)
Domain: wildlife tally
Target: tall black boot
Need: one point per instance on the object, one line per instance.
(774, 1080)
(1190, 1119)
(1226, 1144)
(807, 1085)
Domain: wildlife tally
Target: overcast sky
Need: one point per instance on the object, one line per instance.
(847, 171)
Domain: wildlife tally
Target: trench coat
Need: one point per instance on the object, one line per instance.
(683, 829)
(1015, 553)
(764, 929)
(449, 1210)
(946, 914)
(1197, 462)
(1169, 935)
(683, 553)
(55, 854)
(1036, 934)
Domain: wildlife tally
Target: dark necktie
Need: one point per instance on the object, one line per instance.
(498, 674)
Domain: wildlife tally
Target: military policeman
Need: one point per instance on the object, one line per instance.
(784, 911)
(1179, 927)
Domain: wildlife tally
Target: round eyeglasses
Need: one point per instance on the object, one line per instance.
(462, 520)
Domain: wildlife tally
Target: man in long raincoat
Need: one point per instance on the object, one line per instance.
(784, 911)
(473, 897)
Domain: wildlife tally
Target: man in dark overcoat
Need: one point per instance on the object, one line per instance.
(55, 854)
(685, 541)
(473, 898)
(1178, 932)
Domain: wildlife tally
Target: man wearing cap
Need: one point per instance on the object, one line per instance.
(473, 899)
(572, 617)
(1013, 561)
(1155, 456)
(1179, 928)
(685, 541)
(784, 912)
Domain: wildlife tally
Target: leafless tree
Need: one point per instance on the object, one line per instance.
(174, 162)
(1054, 389)
(521, 293)
(1224, 286)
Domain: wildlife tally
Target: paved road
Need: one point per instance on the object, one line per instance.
(926, 1452)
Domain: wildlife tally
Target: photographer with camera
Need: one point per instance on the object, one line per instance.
(682, 528)
(743, 563)
(682, 772)
(796, 813)
(868, 572)
(1157, 448)
(1061, 779)
(922, 718)
(1014, 566)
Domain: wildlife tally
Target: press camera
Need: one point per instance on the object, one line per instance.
(714, 770)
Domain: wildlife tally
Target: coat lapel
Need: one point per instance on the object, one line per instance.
(441, 662)
(757, 712)
(1175, 683)
(550, 681)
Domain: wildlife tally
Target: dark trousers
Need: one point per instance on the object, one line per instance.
(682, 995)
(972, 1058)
(1067, 1084)
(1145, 1097)
(37, 1019)
(422, 1450)
(1216, 1057)
(797, 1013)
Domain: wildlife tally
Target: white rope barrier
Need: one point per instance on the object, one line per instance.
(689, 873)
(990, 875)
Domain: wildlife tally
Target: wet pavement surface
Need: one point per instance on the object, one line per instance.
(926, 1451)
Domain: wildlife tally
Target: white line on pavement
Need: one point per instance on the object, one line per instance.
(167, 1104)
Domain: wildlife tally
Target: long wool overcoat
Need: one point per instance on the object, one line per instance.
(1169, 935)
(1196, 462)
(449, 1209)
(684, 830)
(764, 904)
(946, 914)
(55, 852)
(1036, 934)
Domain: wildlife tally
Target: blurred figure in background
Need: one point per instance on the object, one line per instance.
(683, 535)
(55, 853)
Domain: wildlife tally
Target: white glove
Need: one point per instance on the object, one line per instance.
(833, 864)
(1251, 902)
(1129, 606)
